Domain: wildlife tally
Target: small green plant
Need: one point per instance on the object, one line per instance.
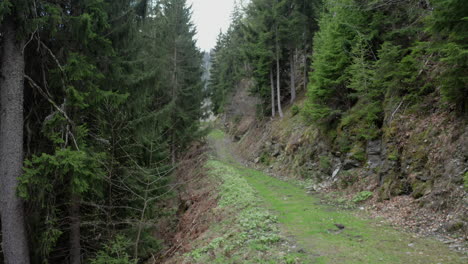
(393, 156)
(265, 158)
(295, 110)
(325, 162)
(465, 181)
(347, 179)
(114, 253)
(290, 259)
(362, 196)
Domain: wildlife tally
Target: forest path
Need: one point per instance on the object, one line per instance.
(327, 234)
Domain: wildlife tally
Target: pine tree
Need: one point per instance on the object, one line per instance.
(184, 88)
(14, 241)
(449, 26)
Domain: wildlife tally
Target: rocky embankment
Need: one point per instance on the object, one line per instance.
(417, 171)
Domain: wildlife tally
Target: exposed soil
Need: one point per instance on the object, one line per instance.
(197, 197)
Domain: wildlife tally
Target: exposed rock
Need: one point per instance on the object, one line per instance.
(277, 148)
(454, 226)
(350, 164)
(335, 172)
(257, 160)
(454, 168)
(374, 147)
(340, 226)
(294, 143)
(374, 161)
(424, 177)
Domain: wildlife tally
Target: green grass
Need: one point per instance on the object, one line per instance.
(264, 210)
(362, 241)
(250, 234)
(216, 134)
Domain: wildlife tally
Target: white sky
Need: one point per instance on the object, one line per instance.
(209, 16)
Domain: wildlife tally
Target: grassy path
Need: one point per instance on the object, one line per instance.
(314, 226)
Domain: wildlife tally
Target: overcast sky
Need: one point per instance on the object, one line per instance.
(209, 16)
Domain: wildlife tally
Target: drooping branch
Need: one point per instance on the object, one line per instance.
(55, 105)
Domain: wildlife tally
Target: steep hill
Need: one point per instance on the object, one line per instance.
(416, 171)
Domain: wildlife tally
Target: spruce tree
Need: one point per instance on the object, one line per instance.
(14, 237)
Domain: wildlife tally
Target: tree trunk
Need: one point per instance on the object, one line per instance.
(75, 244)
(273, 113)
(140, 224)
(305, 70)
(173, 150)
(175, 91)
(293, 77)
(278, 88)
(14, 236)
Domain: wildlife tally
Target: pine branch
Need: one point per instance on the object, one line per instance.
(58, 108)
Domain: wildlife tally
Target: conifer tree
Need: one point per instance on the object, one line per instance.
(449, 26)
(14, 240)
(184, 88)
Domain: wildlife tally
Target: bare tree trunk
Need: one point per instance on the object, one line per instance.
(141, 223)
(174, 97)
(173, 149)
(75, 244)
(14, 236)
(305, 70)
(273, 112)
(278, 85)
(293, 77)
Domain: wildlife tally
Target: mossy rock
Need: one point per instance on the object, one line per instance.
(391, 130)
(420, 189)
(358, 152)
(454, 226)
(394, 187)
(393, 155)
(347, 179)
(401, 188)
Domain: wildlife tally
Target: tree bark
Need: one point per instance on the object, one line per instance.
(305, 70)
(75, 244)
(14, 235)
(273, 113)
(278, 87)
(293, 75)
(173, 149)
(141, 223)
(175, 91)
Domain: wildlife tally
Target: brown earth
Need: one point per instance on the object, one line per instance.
(197, 197)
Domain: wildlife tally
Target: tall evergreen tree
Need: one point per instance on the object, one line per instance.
(14, 237)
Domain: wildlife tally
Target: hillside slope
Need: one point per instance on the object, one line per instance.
(251, 217)
(417, 170)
